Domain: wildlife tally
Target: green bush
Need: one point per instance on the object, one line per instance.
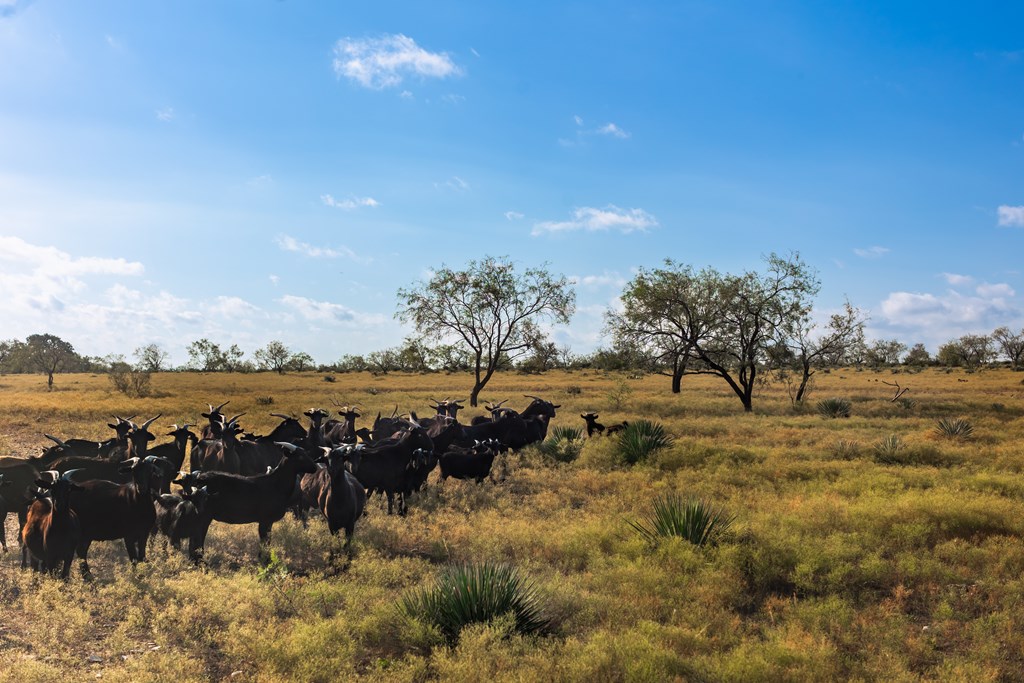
(834, 407)
(477, 593)
(640, 439)
(692, 519)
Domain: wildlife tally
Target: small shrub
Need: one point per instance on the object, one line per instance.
(573, 390)
(831, 408)
(619, 394)
(563, 444)
(954, 428)
(640, 439)
(330, 378)
(999, 407)
(130, 381)
(373, 391)
(907, 403)
(265, 400)
(477, 593)
(887, 450)
(692, 519)
(845, 449)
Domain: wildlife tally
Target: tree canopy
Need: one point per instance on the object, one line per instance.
(490, 307)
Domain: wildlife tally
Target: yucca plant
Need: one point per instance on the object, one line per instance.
(834, 407)
(845, 449)
(955, 428)
(640, 439)
(477, 593)
(887, 449)
(563, 444)
(693, 519)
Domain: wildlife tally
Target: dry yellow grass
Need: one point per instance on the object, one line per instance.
(844, 564)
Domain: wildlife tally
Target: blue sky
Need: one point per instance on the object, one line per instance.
(248, 171)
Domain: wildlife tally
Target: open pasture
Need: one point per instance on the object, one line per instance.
(848, 559)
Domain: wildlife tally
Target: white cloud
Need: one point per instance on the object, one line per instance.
(453, 98)
(578, 120)
(231, 307)
(957, 280)
(475, 53)
(383, 62)
(260, 182)
(1011, 216)
(613, 130)
(934, 319)
(605, 279)
(350, 203)
(405, 95)
(52, 262)
(328, 312)
(871, 252)
(113, 43)
(996, 291)
(274, 279)
(514, 216)
(165, 114)
(289, 243)
(610, 217)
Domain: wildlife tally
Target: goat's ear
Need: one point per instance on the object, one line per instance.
(42, 483)
(206, 415)
(150, 437)
(558, 406)
(112, 426)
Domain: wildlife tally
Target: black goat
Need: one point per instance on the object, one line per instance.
(469, 463)
(262, 499)
(592, 424)
(108, 511)
(386, 466)
(336, 492)
(4, 509)
(177, 517)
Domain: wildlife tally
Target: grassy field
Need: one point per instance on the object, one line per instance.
(847, 560)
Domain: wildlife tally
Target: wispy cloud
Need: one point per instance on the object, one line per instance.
(957, 280)
(1011, 216)
(113, 43)
(274, 279)
(453, 99)
(872, 252)
(999, 290)
(328, 312)
(9, 8)
(514, 216)
(578, 119)
(289, 243)
(610, 217)
(454, 183)
(260, 182)
(349, 204)
(613, 130)
(165, 114)
(383, 62)
(605, 279)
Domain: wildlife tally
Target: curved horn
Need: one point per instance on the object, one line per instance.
(535, 398)
(217, 409)
(282, 416)
(53, 474)
(145, 425)
(67, 475)
(290, 447)
(235, 418)
(56, 440)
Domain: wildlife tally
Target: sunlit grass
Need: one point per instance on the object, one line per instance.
(838, 557)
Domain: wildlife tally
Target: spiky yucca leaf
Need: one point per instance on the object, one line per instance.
(477, 593)
(693, 519)
(887, 449)
(640, 439)
(563, 444)
(955, 428)
(834, 407)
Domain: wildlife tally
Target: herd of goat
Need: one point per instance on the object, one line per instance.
(80, 491)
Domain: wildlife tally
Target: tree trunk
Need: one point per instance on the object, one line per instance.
(678, 368)
(473, 394)
(803, 382)
(49, 380)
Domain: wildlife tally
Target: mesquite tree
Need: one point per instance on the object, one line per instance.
(490, 308)
(706, 322)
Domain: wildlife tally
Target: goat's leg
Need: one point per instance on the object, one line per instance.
(83, 554)
(264, 531)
